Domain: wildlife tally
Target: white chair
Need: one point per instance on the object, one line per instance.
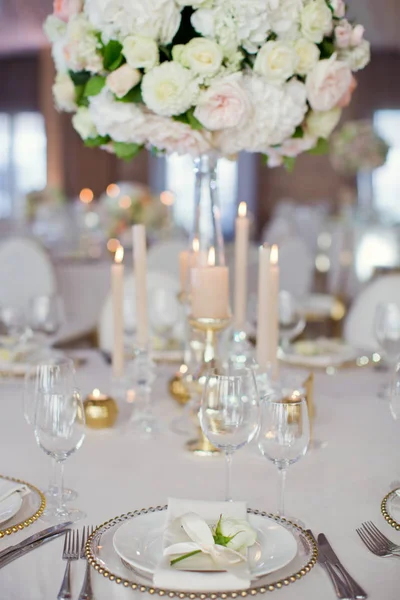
(25, 271)
(164, 256)
(359, 323)
(162, 291)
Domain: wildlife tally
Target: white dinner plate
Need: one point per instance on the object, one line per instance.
(139, 542)
(9, 507)
(320, 353)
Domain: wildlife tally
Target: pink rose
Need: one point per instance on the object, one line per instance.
(223, 105)
(357, 35)
(173, 136)
(65, 9)
(346, 98)
(339, 8)
(327, 83)
(343, 34)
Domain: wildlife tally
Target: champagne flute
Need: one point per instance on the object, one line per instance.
(387, 333)
(230, 413)
(284, 435)
(59, 426)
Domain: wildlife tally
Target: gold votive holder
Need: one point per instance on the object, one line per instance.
(101, 411)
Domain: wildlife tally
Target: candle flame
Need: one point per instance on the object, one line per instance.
(242, 210)
(86, 196)
(119, 255)
(274, 255)
(167, 198)
(196, 245)
(96, 393)
(211, 257)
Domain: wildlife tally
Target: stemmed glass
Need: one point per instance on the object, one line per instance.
(230, 413)
(53, 376)
(285, 434)
(387, 332)
(46, 314)
(291, 320)
(59, 426)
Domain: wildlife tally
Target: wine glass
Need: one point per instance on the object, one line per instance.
(291, 320)
(59, 426)
(46, 314)
(56, 375)
(163, 314)
(285, 433)
(387, 333)
(230, 413)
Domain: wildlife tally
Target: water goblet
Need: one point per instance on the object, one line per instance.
(59, 426)
(284, 434)
(387, 333)
(46, 314)
(291, 320)
(230, 413)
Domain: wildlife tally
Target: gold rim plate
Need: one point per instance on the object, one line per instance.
(32, 508)
(387, 509)
(112, 568)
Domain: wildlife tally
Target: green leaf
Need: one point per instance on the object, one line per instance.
(126, 151)
(99, 140)
(166, 51)
(94, 86)
(79, 77)
(156, 151)
(265, 159)
(327, 48)
(193, 122)
(289, 162)
(299, 133)
(181, 118)
(134, 95)
(80, 98)
(322, 147)
(112, 55)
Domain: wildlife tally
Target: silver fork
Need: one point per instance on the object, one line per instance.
(70, 552)
(376, 542)
(86, 590)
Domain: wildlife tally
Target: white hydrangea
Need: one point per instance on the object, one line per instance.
(356, 58)
(54, 28)
(169, 89)
(286, 16)
(116, 19)
(81, 47)
(83, 123)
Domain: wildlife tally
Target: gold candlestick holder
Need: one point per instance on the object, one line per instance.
(211, 328)
(178, 384)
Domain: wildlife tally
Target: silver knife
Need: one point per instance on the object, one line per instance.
(342, 591)
(356, 590)
(35, 538)
(22, 551)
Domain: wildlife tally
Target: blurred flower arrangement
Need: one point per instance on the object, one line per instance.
(357, 147)
(46, 200)
(124, 204)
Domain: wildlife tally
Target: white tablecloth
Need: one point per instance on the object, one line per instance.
(332, 490)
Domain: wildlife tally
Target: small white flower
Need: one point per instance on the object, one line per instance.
(320, 124)
(64, 92)
(357, 35)
(244, 534)
(122, 80)
(140, 52)
(356, 58)
(54, 28)
(316, 21)
(339, 8)
(276, 61)
(83, 124)
(308, 55)
(202, 56)
(81, 49)
(169, 89)
(343, 33)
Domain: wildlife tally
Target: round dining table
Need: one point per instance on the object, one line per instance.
(352, 464)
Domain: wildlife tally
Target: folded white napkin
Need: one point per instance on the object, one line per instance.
(8, 488)
(178, 579)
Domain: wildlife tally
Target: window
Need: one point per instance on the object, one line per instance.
(22, 158)
(386, 178)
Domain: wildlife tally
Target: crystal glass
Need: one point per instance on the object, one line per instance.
(230, 413)
(59, 426)
(163, 314)
(46, 314)
(387, 333)
(291, 319)
(285, 433)
(13, 325)
(56, 375)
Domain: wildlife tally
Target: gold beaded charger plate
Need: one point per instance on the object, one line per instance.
(31, 508)
(390, 508)
(103, 558)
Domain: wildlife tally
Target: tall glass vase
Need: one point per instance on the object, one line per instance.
(365, 193)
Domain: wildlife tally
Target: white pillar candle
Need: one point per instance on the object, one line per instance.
(268, 318)
(140, 273)
(117, 288)
(241, 260)
(210, 290)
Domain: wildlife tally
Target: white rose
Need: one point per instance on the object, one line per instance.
(243, 535)
(64, 92)
(356, 58)
(81, 50)
(83, 124)
(320, 124)
(343, 34)
(276, 61)
(316, 21)
(202, 56)
(327, 83)
(54, 28)
(140, 52)
(308, 55)
(224, 104)
(339, 8)
(122, 80)
(169, 89)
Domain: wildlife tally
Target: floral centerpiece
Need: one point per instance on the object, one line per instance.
(202, 76)
(48, 199)
(357, 147)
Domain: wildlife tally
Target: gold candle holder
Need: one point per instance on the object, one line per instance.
(178, 384)
(101, 411)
